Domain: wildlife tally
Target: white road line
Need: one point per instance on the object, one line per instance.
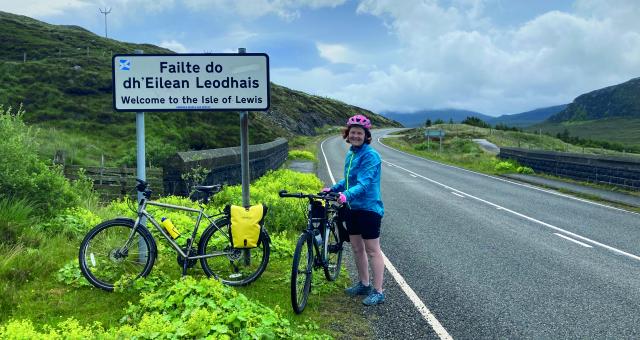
(326, 161)
(508, 181)
(414, 176)
(572, 240)
(431, 319)
(621, 252)
(457, 194)
(422, 308)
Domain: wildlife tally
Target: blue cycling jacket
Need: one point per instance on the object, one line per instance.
(361, 183)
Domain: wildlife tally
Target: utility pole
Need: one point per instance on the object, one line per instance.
(105, 12)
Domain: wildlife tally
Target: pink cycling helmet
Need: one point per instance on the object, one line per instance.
(359, 120)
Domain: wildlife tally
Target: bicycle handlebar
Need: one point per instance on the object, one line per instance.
(328, 196)
(143, 187)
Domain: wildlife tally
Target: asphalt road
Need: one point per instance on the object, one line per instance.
(489, 258)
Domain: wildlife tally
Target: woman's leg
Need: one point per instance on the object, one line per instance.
(377, 261)
(358, 247)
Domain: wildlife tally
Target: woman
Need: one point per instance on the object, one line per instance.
(360, 190)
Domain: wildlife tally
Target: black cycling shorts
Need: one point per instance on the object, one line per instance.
(363, 222)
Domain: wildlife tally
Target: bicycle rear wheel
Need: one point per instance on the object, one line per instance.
(232, 266)
(332, 252)
(301, 272)
(105, 258)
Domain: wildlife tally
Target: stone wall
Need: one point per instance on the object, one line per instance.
(619, 171)
(221, 166)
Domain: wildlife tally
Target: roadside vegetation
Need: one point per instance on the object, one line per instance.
(43, 218)
(459, 149)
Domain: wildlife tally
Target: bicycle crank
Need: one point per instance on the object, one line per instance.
(191, 262)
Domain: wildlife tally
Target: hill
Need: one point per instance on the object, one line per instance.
(418, 118)
(610, 114)
(620, 100)
(62, 77)
(528, 118)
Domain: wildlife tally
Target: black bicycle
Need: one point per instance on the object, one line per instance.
(125, 249)
(322, 234)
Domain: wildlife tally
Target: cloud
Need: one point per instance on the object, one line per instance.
(454, 55)
(337, 53)
(285, 9)
(174, 46)
(42, 8)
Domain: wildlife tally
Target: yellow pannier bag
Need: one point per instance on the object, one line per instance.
(246, 224)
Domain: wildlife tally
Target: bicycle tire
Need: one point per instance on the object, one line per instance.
(101, 261)
(234, 267)
(332, 251)
(301, 273)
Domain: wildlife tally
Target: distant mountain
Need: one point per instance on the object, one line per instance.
(528, 118)
(622, 100)
(420, 117)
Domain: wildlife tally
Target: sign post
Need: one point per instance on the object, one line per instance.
(244, 151)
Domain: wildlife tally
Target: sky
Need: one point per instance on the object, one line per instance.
(490, 56)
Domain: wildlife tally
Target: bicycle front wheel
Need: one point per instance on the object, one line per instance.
(105, 257)
(232, 266)
(301, 272)
(332, 252)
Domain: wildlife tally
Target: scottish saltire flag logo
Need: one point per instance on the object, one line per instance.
(125, 65)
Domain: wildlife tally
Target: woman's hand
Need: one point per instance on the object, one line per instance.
(342, 199)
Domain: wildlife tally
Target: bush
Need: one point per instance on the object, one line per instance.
(505, 166)
(72, 222)
(23, 175)
(284, 213)
(301, 155)
(524, 170)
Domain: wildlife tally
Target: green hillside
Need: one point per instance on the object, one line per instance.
(607, 115)
(65, 88)
(620, 100)
(619, 130)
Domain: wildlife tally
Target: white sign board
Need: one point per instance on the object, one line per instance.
(183, 82)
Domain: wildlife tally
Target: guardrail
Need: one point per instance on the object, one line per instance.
(623, 172)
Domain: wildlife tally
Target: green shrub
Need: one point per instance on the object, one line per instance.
(505, 166)
(23, 175)
(284, 213)
(301, 155)
(73, 222)
(200, 308)
(525, 170)
(421, 146)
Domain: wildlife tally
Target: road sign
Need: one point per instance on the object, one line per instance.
(187, 82)
(434, 133)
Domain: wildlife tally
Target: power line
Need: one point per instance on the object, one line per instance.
(105, 12)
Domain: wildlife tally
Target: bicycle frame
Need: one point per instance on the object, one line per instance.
(144, 214)
(322, 224)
